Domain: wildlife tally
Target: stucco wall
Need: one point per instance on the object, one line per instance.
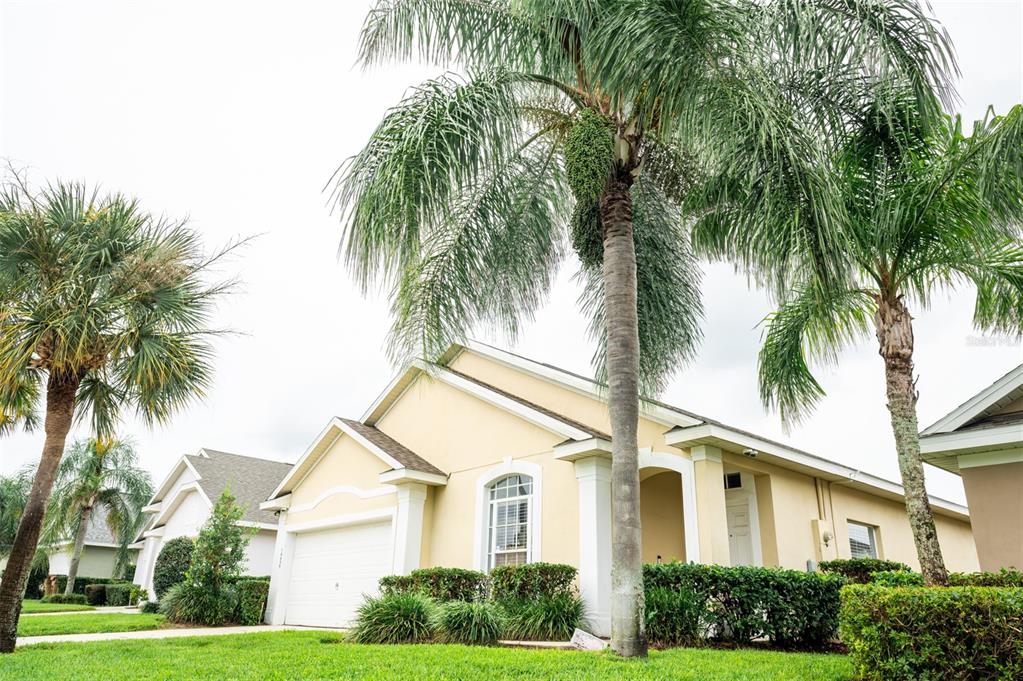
(335, 483)
(97, 561)
(661, 517)
(187, 518)
(995, 495)
(895, 539)
(259, 553)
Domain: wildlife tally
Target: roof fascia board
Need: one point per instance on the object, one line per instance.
(976, 405)
(310, 450)
(680, 437)
(948, 443)
(401, 475)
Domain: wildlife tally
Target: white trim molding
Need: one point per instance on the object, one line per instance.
(581, 449)
(336, 490)
(510, 466)
(360, 518)
(1002, 389)
(408, 527)
(594, 478)
(990, 458)
(401, 475)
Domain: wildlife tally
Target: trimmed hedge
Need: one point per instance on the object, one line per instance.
(441, 584)
(532, 581)
(119, 594)
(252, 600)
(859, 570)
(674, 617)
(1003, 577)
(909, 633)
(96, 594)
(82, 582)
(76, 599)
(171, 564)
(740, 604)
(897, 578)
(150, 607)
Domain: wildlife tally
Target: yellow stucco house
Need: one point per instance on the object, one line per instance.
(486, 458)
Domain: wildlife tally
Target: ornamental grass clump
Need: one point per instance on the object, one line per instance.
(674, 617)
(544, 618)
(396, 618)
(470, 623)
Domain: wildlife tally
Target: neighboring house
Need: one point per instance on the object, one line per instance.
(185, 498)
(487, 458)
(982, 441)
(99, 556)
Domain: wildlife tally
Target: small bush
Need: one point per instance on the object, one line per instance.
(82, 582)
(395, 618)
(190, 603)
(252, 600)
(76, 599)
(896, 578)
(544, 617)
(171, 564)
(908, 633)
(532, 580)
(38, 572)
(1003, 577)
(118, 594)
(470, 623)
(858, 570)
(674, 617)
(150, 607)
(96, 594)
(440, 584)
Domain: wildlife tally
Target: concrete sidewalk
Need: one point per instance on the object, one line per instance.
(104, 610)
(159, 633)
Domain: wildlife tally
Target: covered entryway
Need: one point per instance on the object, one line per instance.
(333, 569)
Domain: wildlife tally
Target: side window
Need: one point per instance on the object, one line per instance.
(862, 540)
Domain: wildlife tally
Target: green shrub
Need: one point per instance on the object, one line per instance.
(543, 617)
(82, 582)
(859, 570)
(171, 564)
(740, 604)
(191, 603)
(674, 617)
(96, 594)
(252, 600)
(395, 618)
(440, 584)
(532, 580)
(150, 607)
(118, 594)
(76, 599)
(37, 574)
(1003, 577)
(905, 633)
(896, 578)
(471, 623)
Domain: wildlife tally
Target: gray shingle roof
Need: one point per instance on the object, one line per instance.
(251, 480)
(397, 451)
(98, 531)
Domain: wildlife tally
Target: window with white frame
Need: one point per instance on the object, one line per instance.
(862, 540)
(510, 510)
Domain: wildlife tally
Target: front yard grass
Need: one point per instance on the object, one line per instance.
(29, 606)
(291, 655)
(89, 623)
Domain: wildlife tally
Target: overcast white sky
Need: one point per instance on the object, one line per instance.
(236, 114)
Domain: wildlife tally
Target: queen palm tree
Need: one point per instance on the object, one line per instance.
(102, 308)
(581, 121)
(921, 209)
(97, 475)
(13, 495)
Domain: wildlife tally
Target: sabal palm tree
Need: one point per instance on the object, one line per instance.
(103, 308)
(923, 209)
(97, 475)
(580, 121)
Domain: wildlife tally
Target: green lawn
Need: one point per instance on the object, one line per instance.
(29, 606)
(90, 623)
(318, 655)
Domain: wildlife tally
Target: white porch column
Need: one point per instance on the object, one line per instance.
(280, 572)
(408, 527)
(594, 477)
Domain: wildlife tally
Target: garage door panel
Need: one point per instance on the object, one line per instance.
(333, 570)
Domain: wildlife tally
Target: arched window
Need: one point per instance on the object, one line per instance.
(510, 512)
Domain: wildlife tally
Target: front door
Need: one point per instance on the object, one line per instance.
(740, 533)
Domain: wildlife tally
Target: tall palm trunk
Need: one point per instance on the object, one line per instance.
(76, 552)
(894, 327)
(60, 408)
(627, 625)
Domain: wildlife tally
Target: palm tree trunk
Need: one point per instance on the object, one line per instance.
(60, 408)
(76, 552)
(895, 336)
(628, 637)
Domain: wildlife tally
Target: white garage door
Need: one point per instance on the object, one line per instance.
(333, 569)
